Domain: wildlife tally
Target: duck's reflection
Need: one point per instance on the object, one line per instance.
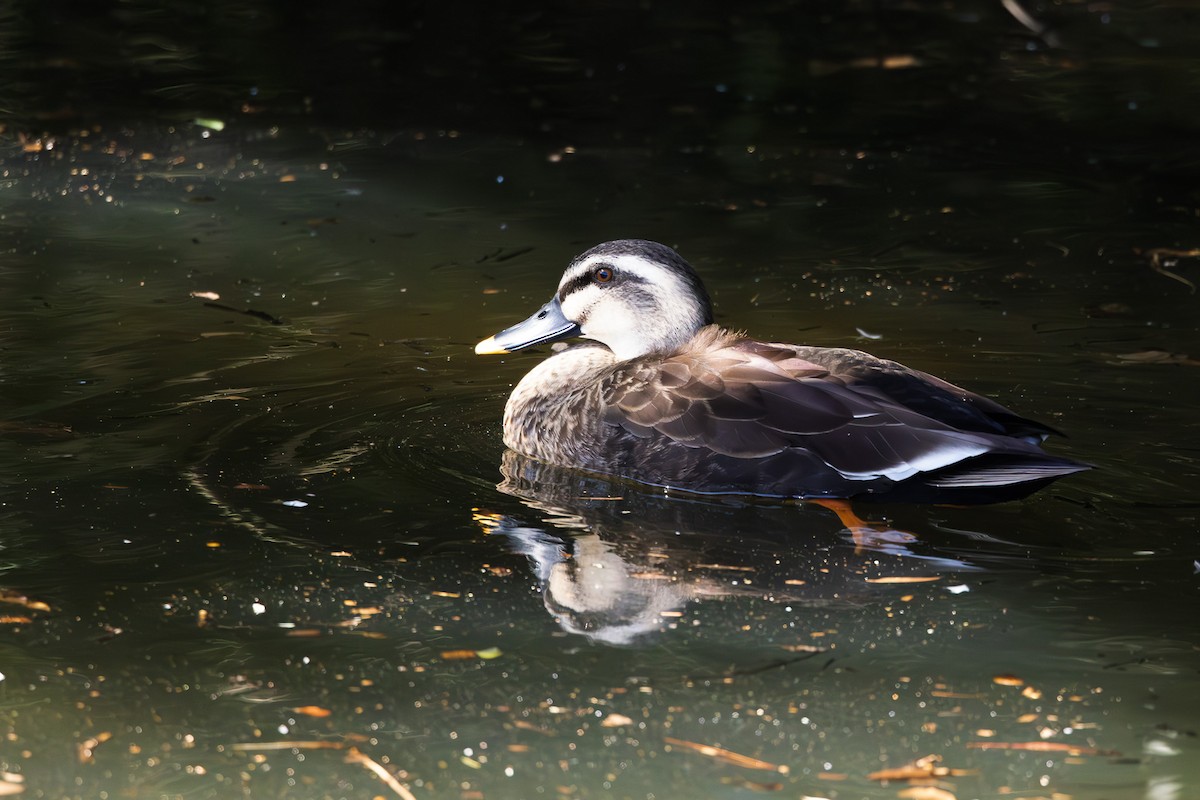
(616, 563)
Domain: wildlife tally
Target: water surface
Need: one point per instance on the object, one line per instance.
(259, 532)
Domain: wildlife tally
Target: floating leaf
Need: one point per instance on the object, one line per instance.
(615, 721)
(923, 769)
(85, 749)
(926, 793)
(22, 600)
(1154, 355)
(753, 786)
(313, 711)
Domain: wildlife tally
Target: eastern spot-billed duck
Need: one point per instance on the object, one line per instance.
(662, 396)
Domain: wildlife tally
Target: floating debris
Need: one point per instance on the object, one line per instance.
(356, 756)
(1007, 680)
(1043, 747)
(313, 711)
(728, 756)
(1155, 355)
(753, 786)
(16, 599)
(320, 744)
(486, 654)
(923, 768)
(86, 749)
(927, 793)
(615, 720)
(1162, 257)
(1110, 309)
(905, 579)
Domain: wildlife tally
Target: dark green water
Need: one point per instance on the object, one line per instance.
(223, 532)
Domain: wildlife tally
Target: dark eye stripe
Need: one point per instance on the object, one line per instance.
(574, 285)
(589, 277)
(585, 279)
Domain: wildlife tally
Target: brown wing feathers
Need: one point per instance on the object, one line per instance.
(748, 399)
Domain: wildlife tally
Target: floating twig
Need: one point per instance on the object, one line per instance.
(728, 756)
(356, 756)
(319, 744)
(1157, 256)
(1043, 747)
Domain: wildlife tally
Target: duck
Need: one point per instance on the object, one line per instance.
(655, 393)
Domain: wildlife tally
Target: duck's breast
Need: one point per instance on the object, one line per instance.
(555, 411)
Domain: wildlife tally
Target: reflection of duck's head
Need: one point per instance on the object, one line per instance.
(599, 594)
(590, 588)
(633, 296)
(665, 397)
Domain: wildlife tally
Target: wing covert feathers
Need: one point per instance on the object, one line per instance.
(864, 417)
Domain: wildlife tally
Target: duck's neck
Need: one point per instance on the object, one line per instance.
(554, 413)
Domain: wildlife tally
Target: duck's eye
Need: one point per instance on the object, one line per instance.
(603, 275)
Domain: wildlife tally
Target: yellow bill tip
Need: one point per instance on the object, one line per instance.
(488, 347)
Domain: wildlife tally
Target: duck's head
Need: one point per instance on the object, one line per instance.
(633, 296)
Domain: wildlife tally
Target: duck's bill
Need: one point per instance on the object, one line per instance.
(547, 325)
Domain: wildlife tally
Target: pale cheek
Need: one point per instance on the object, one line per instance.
(609, 320)
(579, 306)
(623, 333)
